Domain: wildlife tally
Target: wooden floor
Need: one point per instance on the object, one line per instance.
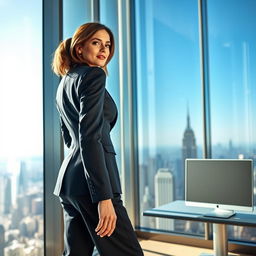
(155, 248)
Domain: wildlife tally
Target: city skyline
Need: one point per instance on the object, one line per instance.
(23, 176)
(170, 169)
(21, 208)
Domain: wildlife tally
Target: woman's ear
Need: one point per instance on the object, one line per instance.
(78, 50)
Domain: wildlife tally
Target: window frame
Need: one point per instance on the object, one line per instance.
(53, 145)
(184, 239)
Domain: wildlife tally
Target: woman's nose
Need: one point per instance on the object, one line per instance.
(103, 47)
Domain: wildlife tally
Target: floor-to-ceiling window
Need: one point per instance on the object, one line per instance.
(232, 68)
(78, 12)
(21, 139)
(109, 17)
(169, 97)
(75, 13)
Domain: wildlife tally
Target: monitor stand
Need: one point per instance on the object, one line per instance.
(220, 241)
(220, 213)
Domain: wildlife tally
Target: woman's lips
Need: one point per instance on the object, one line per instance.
(101, 57)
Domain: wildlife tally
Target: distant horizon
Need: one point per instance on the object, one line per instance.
(241, 146)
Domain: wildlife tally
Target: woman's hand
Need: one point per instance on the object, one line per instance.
(107, 218)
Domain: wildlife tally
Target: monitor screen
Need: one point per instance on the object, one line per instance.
(222, 183)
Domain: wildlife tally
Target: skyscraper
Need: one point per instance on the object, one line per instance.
(146, 204)
(164, 194)
(189, 150)
(2, 186)
(23, 179)
(7, 195)
(2, 240)
(151, 173)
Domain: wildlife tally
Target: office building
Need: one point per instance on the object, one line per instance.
(2, 240)
(7, 195)
(22, 179)
(189, 148)
(148, 203)
(164, 194)
(2, 194)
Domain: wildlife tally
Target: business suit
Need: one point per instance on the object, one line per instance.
(89, 173)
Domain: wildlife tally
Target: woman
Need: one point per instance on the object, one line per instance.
(88, 183)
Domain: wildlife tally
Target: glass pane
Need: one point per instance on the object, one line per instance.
(169, 104)
(21, 134)
(75, 13)
(232, 61)
(108, 17)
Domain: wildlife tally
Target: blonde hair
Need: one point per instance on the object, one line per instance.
(66, 56)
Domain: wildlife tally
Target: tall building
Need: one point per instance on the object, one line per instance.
(178, 195)
(13, 170)
(146, 204)
(2, 178)
(189, 150)
(164, 193)
(37, 206)
(151, 173)
(2, 240)
(23, 179)
(143, 179)
(28, 226)
(7, 195)
(2, 185)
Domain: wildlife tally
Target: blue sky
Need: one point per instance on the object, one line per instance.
(232, 56)
(21, 78)
(169, 64)
(168, 71)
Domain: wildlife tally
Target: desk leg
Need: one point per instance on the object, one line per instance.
(220, 241)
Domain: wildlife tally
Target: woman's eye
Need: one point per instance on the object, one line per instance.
(97, 43)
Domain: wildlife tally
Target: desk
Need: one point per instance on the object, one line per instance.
(178, 210)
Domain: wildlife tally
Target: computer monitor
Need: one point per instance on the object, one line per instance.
(223, 184)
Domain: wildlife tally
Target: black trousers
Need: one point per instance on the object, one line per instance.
(80, 220)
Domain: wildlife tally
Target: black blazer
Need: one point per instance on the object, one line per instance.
(87, 115)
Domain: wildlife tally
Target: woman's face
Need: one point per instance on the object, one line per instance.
(96, 50)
